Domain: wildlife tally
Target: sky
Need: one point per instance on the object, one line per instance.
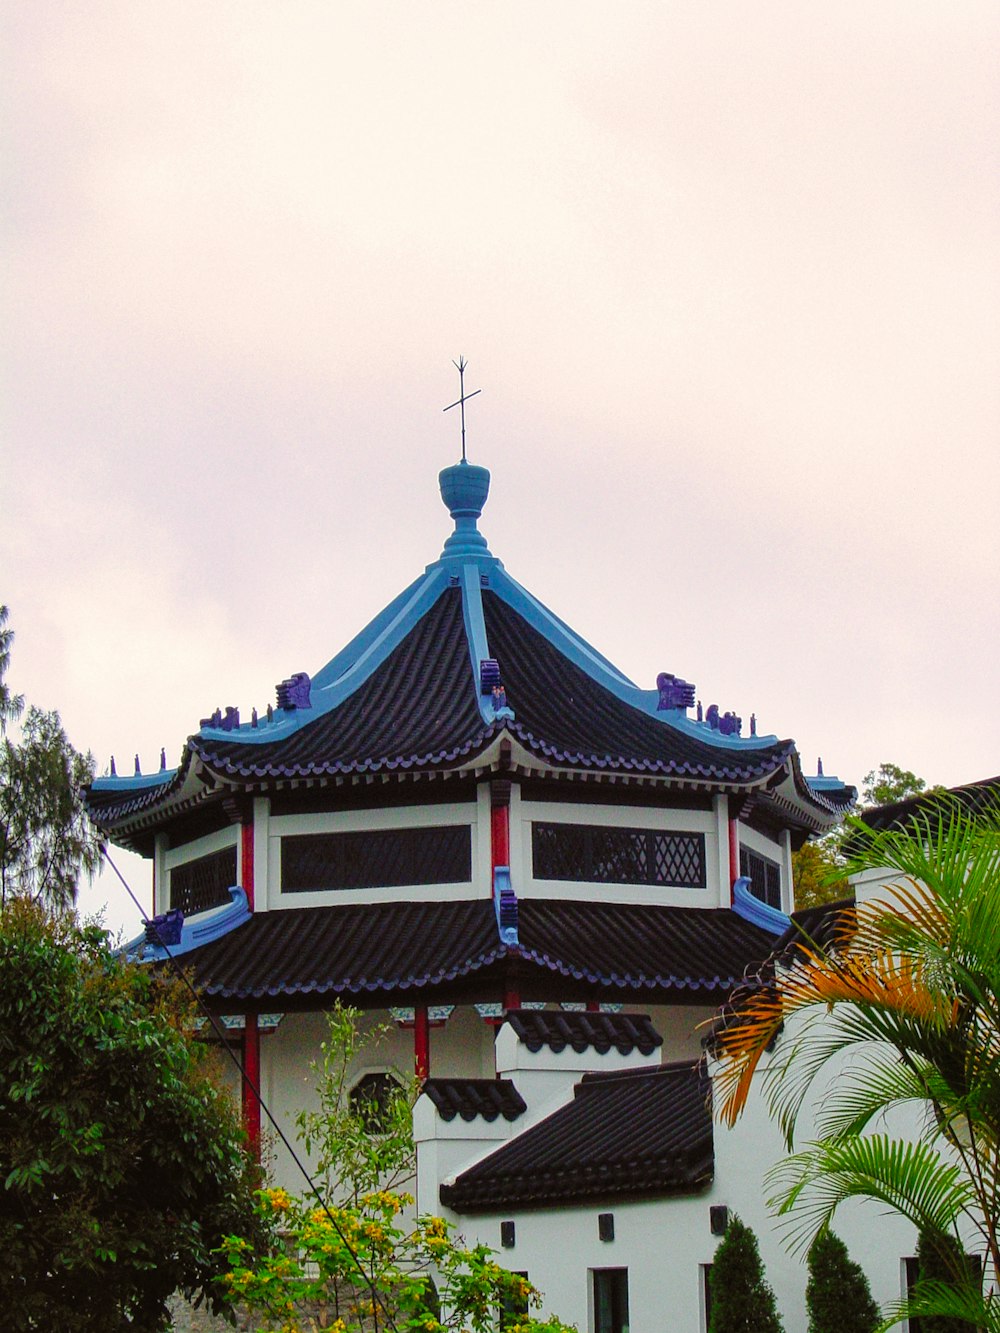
(727, 275)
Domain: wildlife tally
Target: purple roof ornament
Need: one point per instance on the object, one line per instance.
(294, 692)
(489, 675)
(674, 692)
(726, 724)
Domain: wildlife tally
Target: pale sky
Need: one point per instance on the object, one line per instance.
(728, 276)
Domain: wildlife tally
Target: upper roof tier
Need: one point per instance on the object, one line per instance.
(463, 664)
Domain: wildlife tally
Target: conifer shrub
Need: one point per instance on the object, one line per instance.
(940, 1259)
(742, 1300)
(838, 1297)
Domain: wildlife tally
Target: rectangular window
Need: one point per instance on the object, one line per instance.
(610, 1300)
(381, 858)
(591, 853)
(764, 876)
(515, 1308)
(198, 885)
(706, 1297)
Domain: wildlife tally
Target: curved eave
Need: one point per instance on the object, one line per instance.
(435, 760)
(131, 820)
(726, 770)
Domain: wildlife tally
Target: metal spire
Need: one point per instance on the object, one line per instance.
(460, 366)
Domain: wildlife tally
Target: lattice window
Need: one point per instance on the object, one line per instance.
(203, 883)
(764, 876)
(589, 853)
(382, 858)
(372, 1099)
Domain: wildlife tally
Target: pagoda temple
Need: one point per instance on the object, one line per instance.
(467, 812)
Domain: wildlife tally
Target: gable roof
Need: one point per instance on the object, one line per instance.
(630, 1134)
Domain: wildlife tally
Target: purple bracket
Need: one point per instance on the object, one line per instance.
(674, 692)
(294, 692)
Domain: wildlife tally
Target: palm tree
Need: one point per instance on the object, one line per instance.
(908, 987)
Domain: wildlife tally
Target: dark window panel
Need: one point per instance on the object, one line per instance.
(198, 885)
(596, 854)
(383, 858)
(764, 876)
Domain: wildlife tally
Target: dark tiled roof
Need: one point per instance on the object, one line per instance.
(417, 709)
(973, 797)
(351, 950)
(635, 1134)
(583, 1031)
(367, 949)
(817, 926)
(641, 947)
(472, 1097)
(564, 714)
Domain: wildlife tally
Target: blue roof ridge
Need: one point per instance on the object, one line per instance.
(605, 673)
(479, 647)
(351, 667)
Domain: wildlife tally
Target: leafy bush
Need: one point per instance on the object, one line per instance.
(122, 1164)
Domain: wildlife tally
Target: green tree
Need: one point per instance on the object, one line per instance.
(888, 784)
(818, 873)
(941, 1259)
(122, 1163)
(46, 838)
(348, 1260)
(910, 991)
(742, 1300)
(11, 705)
(838, 1297)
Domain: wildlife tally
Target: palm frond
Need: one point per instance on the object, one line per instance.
(940, 1298)
(910, 1178)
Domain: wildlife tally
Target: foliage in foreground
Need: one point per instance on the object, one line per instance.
(46, 837)
(357, 1269)
(838, 1297)
(121, 1162)
(345, 1260)
(742, 1300)
(910, 989)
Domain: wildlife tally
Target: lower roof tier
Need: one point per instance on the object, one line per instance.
(376, 954)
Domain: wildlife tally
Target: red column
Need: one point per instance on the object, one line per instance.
(500, 835)
(246, 843)
(421, 1042)
(500, 856)
(251, 1083)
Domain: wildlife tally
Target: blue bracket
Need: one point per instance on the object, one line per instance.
(757, 913)
(193, 933)
(505, 903)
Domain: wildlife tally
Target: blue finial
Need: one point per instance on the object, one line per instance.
(464, 488)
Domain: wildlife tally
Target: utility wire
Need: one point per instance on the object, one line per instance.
(254, 1090)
